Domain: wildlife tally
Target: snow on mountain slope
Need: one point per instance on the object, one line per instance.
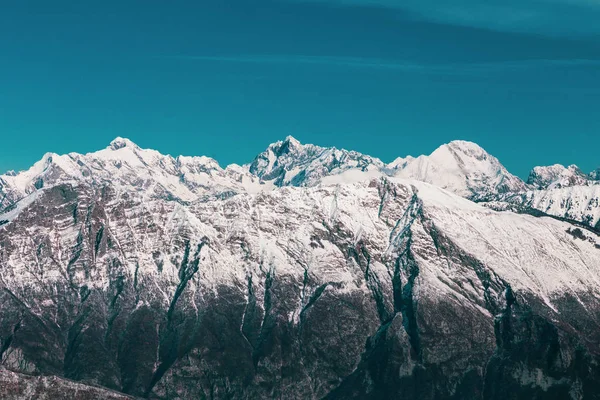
(126, 165)
(291, 163)
(511, 245)
(362, 250)
(461, 167)
(142, 225)
(180, 279)
(577, 203)
(557, 176)
(184, 178)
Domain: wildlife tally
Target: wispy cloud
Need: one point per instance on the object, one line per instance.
(554, 17)
(308, 60)
(395, 65)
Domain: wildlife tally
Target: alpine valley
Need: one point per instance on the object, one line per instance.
(311, 273)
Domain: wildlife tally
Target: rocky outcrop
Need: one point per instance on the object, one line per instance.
(15, 386)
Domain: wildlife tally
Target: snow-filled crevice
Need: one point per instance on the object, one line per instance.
(405, 274)
(408, 305)
(170, 346)
(267, 324)
(113, 308)
(362, 258)
(400, 246)
(76, 252)
(187, 269)
(249, 313)
(313, 299)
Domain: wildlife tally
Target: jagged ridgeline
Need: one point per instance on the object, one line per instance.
(312, 273)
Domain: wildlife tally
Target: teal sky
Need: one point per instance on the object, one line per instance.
(225, 79)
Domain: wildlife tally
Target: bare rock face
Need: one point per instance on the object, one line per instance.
(15, 386)
(345, 287)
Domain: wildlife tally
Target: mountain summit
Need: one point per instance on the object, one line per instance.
(290, 163)
(557, 176)
(119, 143)
(312, 273)
(463, 168)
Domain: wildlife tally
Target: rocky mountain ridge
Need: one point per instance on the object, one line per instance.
(310, 273)
(558, 176)
(459, 166)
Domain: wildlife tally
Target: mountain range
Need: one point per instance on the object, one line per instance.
(311, 273)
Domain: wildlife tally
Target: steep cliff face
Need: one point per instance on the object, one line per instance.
(352, 285)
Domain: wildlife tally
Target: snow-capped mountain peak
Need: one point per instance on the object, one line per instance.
(290, 145)
(292, 142)
(466, 146)
(291, 163)
(103, 248)
(399, 163)
(119, 143)
(462, 167)
(126, 165)
(16, 185)
(558, 176)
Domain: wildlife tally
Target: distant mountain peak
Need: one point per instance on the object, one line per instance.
(119, 143)
(558, 176)
(462, 167)
(468, 149)
(464, 145)
(286, 146)
(292, 141)
(291, 163)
